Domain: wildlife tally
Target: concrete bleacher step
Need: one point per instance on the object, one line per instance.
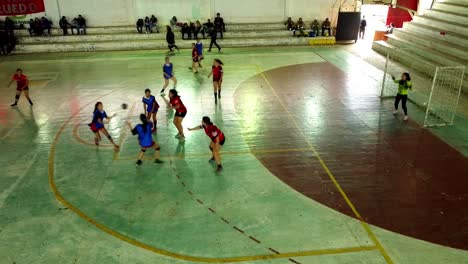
(454, 17)
(457, 8)
(442, 24)
(407, 57)
(431, 54)
(132, 29)
(137, 36)
(433, 32)
(460, 2)
(436, 42)
(154, 44)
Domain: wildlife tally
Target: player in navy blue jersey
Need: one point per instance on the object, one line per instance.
(145, 139)
(168, 74)
(97, 124)
(150, 107)
(199, 47)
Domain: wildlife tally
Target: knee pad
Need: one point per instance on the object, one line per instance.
(143, 150)
(17, 97)
(158, 148)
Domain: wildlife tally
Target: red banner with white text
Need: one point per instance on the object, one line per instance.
(21, 7)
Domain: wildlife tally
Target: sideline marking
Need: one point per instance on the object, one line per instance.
(116, 234)
(330, 175)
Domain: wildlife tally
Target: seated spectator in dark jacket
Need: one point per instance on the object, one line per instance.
(192, 30)
(300, 26)
(185, 30)
(148, 28)
(289, 24)
(38, 27)
(63, 23)
(32, 27)
(219, 24)
(139, 25)
(3, 42)
(326, 25)
(74, 25)
(315, 27)
(199, 29)
(81, 25)
(47, 25)
(154, 24)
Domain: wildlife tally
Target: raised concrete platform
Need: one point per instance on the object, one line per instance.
(126, 38)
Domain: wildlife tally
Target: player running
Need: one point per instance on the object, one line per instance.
(145, 139)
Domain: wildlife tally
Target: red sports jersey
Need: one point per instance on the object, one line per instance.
(194, 54)
(213, 132)
(176, 101)
(217, 71)
(20, 80)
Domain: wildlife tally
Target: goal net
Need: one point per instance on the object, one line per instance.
(435, 89)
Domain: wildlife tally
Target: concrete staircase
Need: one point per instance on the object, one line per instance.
(421, 43)
(127, 38)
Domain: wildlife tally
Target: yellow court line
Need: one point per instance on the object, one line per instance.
(224, 153)
(76, 135)
(102, 227)
(125, 133)
(327, 170)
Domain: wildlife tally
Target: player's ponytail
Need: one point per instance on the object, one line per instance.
(207, 120)
(144, 121)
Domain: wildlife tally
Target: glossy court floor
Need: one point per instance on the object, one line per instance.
(316, 168)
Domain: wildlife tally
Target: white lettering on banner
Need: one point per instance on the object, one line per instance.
(17, 8)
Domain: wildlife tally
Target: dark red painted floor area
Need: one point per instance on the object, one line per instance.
(398, 175)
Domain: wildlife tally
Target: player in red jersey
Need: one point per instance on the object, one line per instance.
(195, 59)
(217, 139)
(181, 111)
(22, 83)
(217, 72)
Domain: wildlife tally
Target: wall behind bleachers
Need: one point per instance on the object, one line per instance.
(125, 12)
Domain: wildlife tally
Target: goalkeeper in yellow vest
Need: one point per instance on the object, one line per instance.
(404, 84)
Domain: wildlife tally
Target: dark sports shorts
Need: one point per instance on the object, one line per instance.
(181, 114)
(25, 89)
(145, 148)
(94, 128)
(216, 79)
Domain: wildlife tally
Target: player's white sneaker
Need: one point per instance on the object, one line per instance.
(405, 118)
(395, 112)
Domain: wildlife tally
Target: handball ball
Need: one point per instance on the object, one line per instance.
(124, 106)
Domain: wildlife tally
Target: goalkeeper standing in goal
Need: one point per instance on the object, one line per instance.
(404, 84)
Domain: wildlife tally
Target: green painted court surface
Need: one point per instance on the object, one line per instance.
(62, 200)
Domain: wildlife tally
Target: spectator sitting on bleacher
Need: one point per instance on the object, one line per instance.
(81, 25)
(154, 24)
(185, 30)
(192, 30)
(148, 28)
(38, 27)
(3, 42)
(173, 21)
(326, 26)
(31, 28)
(63, 23)
(199, 29)
(74, 25)
(47, 25)
(289, 24)
(139, 25)
(315, 27)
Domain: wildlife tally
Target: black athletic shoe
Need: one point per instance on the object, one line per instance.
(220, 168)
(158, 161)
(14, 104)
(212, 159)
(139, 162)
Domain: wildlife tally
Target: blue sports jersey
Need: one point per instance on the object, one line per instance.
(199, 47)
(167, 69)
(98, 115)
(149, 103)
(145, 138)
